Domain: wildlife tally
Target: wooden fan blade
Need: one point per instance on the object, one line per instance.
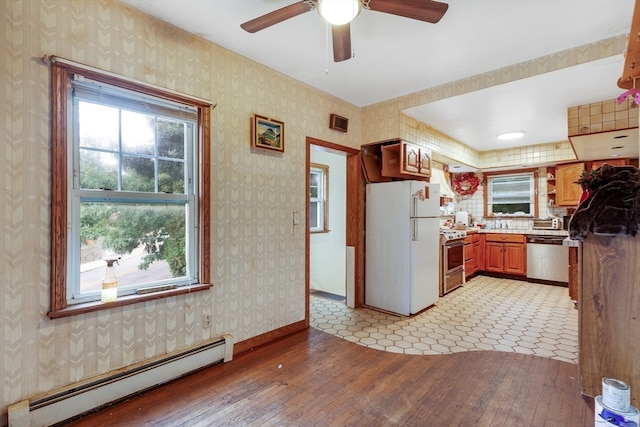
(341, 35)
(277, 16)
(422, 10)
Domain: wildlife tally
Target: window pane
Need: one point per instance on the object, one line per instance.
(150, 238)
(138, 174)
(314, 179)
(171, 177)
(98, 170)
(138, 133)
(98, 126)
(171, 137)
(313, 215)
(511, 194)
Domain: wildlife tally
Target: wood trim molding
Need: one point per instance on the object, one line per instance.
(267, 337)
(61, 73)
(58, 279)
(355, 214)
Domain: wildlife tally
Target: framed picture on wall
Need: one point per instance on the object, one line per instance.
(267, 133)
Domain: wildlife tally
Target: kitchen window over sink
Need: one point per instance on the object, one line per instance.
(511, 194)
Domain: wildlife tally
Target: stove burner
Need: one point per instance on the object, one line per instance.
(446, 235)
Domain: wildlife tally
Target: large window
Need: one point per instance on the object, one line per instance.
(319, 193)
(511, 194)
(130, 175)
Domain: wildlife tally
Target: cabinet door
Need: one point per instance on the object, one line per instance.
(411, 158)
(469, 259)
(468, 251)
(515, 258)
(425, 162)
(567, 192)
(478, 262)
(493, 256)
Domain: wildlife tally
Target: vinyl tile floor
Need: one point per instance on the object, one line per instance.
(487, 313)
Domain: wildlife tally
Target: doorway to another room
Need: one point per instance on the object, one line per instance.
(327, 225)
(333, 215)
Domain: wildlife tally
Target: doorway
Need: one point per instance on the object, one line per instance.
(348, 229)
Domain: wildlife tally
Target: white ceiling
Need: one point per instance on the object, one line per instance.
(395, 56)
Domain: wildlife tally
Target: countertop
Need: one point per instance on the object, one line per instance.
(566, 242)
(471, 230)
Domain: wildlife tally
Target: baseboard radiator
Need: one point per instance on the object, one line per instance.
(78, 398)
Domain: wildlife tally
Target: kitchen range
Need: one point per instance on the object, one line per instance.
(452, 273)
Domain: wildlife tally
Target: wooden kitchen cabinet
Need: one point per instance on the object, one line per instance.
(567, 191)
(505, 253)
(473, 255)
(405, 160)
(611, 162)
(608, 307)
(478, 244)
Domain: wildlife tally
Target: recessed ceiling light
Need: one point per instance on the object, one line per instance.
(510, 135)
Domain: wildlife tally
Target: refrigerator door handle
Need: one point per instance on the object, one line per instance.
(414, 230)
(415, 206)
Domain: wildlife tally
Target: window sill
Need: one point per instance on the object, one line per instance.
(319, 231)
(88, 307)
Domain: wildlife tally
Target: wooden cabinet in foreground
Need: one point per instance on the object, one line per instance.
(505, 253)
(608, 307)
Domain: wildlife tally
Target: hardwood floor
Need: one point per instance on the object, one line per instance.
(313, 378)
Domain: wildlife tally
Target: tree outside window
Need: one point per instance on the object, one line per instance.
(130, 161)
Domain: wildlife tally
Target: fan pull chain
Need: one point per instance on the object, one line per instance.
(326, 48)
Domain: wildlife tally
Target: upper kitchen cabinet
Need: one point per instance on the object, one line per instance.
(611, 162)
(567, 191)
(404, 158)
(396, 159)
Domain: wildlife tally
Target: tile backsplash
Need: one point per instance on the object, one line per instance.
(474, 204)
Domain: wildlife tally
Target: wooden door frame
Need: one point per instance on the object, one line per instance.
(354, 219)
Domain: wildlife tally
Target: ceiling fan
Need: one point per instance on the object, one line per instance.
(422, 10)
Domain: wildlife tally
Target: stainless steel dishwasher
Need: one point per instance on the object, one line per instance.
(547, 258)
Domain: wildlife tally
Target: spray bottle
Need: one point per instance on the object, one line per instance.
(110, 282)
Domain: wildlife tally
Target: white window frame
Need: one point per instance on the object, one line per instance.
(531, 198)
(84, 90)
(322, 200)
(65, 196)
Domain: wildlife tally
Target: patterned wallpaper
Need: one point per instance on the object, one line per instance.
(258, 256)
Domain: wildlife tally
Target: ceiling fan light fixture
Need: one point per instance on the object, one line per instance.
(505, 136)
(339, 12)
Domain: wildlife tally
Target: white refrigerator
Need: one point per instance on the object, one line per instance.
(402, 270)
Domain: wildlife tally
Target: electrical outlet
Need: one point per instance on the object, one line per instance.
(206, 321)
